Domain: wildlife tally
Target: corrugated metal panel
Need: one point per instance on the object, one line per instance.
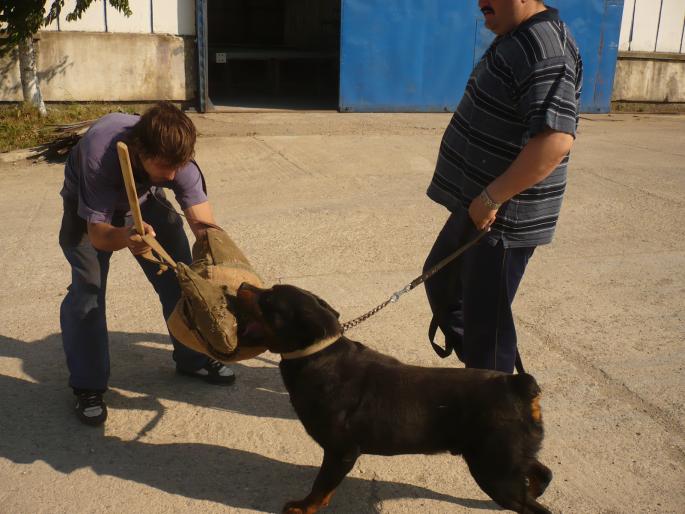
(596, 26)
(409, 55)
(416, 55)
(627, 25)
(671, 26)
(655, 26)
(646, 25)
(160, 16)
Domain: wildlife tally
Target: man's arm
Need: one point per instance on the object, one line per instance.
(198, 214)
(108, 238)
(538, 159)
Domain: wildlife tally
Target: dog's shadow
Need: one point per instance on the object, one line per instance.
(37, 425)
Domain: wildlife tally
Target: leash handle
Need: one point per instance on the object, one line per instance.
(414, 283)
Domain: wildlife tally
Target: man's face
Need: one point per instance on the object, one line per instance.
(159, 171)
(503, 16)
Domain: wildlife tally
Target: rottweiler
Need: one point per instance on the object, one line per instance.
(354, 400)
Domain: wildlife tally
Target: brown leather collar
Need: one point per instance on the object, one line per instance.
(311, 349)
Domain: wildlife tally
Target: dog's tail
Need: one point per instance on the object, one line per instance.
(529, 391)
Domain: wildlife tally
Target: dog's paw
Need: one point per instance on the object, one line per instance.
(309, 505)
(295, 507)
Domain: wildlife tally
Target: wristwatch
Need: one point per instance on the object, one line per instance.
(489, 202)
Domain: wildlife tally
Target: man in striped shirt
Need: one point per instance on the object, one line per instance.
(502, 168)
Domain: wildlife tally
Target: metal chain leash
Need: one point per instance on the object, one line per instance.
(414, 283)
(396, 295)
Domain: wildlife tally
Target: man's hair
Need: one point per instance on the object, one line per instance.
(164, 132)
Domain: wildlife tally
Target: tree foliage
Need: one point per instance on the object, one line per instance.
(20, 19)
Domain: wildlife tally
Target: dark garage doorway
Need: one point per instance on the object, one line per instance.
(280, 54)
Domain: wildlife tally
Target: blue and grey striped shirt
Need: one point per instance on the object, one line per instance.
(527, 81)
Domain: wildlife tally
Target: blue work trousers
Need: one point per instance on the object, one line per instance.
(83, 312)
(471, 297)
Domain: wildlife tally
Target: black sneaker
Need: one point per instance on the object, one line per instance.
(90, 408)
(213, 372)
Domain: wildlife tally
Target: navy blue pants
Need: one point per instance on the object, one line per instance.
(83, 311)
(471, 297)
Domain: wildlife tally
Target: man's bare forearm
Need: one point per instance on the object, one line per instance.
(197, 215)
(108, 238)
(538, 159)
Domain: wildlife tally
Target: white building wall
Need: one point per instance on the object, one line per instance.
(138, 23)
(93, 20)
(653, 26)
(53, 26)
(175, 17)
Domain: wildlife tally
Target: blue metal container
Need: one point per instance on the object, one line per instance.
(416, 55)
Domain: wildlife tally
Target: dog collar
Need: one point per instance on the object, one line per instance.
(311, 349)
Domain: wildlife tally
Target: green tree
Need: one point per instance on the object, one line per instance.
(19, 22)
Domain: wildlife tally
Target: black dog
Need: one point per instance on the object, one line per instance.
(353, 400)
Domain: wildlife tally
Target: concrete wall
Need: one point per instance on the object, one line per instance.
(91, 66)
(648, 77)
(106, 56)
(651, 61)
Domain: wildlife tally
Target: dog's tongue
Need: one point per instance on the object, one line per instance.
(253, 330)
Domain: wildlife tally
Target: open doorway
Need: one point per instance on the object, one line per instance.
(273, 53)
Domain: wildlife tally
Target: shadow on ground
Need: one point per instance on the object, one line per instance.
(36, 424)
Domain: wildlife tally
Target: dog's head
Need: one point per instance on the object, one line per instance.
(284, 318)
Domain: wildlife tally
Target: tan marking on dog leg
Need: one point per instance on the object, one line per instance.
(535, 410)
(309, 505)
(327, 499)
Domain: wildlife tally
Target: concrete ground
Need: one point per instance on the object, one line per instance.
(335, 203)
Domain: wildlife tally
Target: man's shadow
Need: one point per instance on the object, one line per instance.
(36, 424)
(142, 363)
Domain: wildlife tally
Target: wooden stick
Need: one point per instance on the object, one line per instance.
(131, 193)
(127, 172)
(164, 256)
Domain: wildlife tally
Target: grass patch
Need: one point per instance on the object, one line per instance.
(22, 127)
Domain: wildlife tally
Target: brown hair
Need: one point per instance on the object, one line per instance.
(164, 132)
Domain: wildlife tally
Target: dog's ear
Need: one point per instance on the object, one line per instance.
(326, 306)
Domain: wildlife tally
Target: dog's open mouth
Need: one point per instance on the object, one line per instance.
(250, 330)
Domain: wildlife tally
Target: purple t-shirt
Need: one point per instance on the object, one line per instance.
(92, 175)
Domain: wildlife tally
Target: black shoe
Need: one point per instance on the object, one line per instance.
(213, 372)
(90, 408)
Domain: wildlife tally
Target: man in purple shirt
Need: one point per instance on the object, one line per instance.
(161, 143)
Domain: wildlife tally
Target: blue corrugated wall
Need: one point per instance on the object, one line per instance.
(416, 55)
